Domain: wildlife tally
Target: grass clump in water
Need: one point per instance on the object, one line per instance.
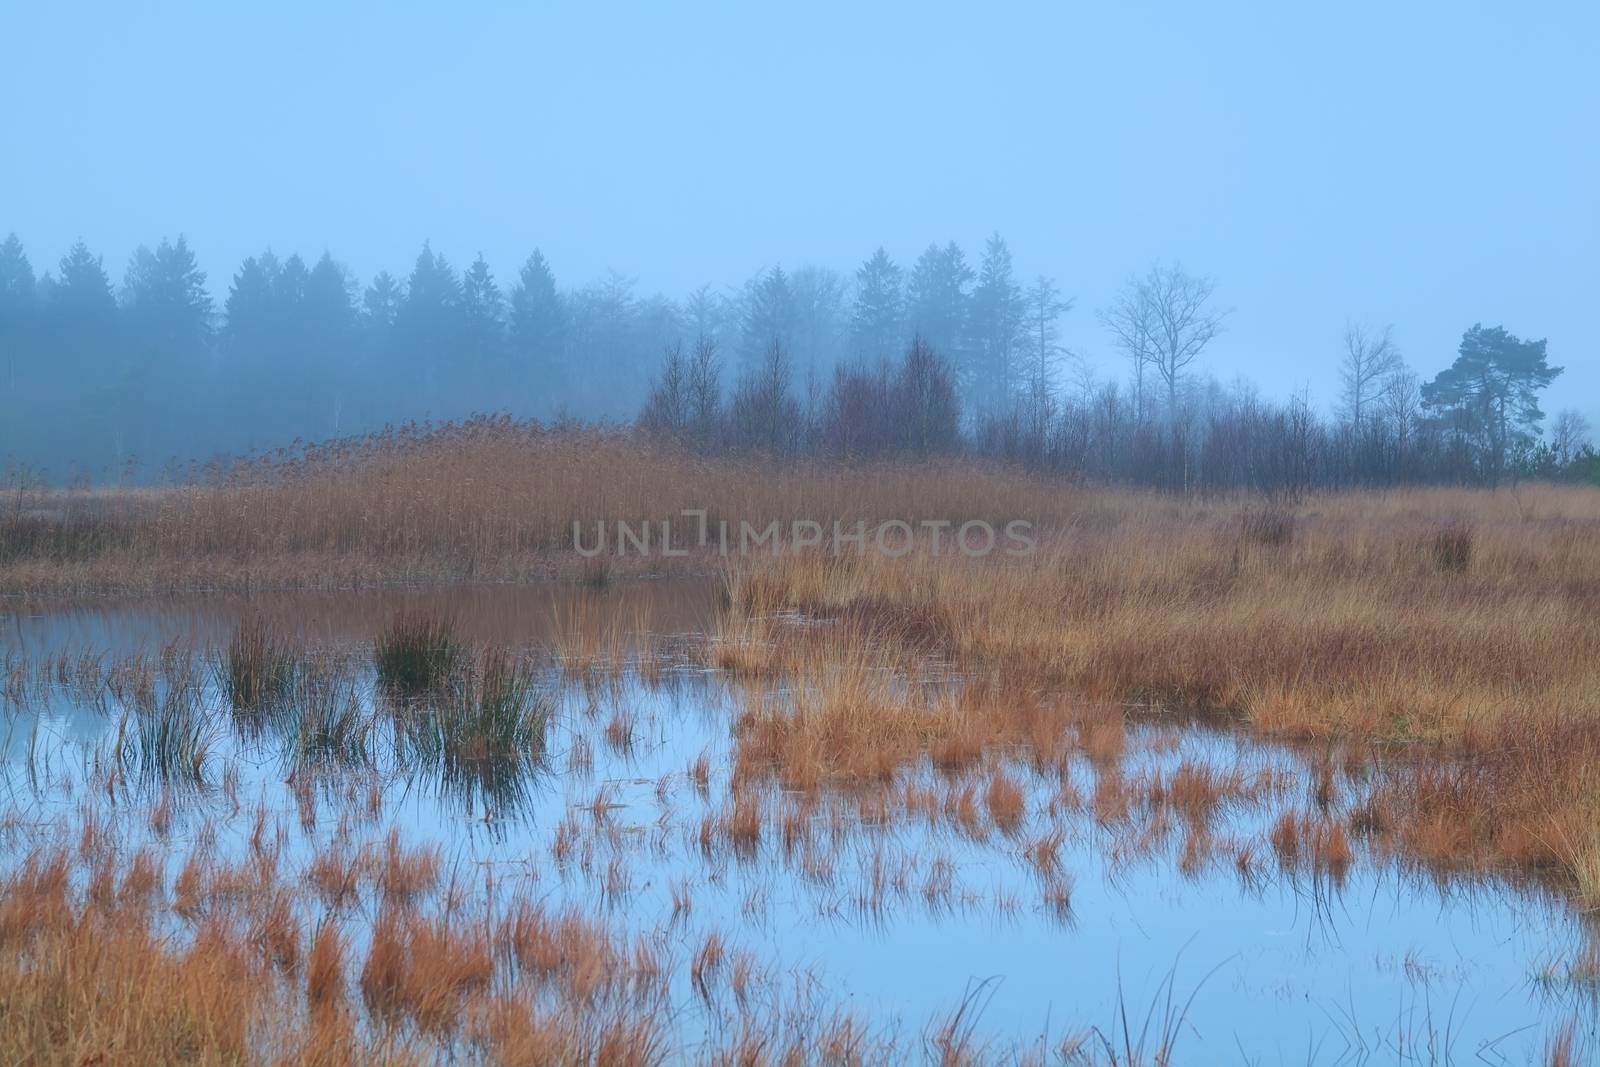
(329, 726)
(257, 668)
(484, 734)
(168, 742)
(418, 653)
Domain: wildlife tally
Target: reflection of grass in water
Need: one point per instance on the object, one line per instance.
(483, 735)
(1131, 1041)
(305, 704)
(160, 735)
(327, 726)
(1438, 639)
(1577, 977)
(167, 743)
(421, 980)
(478, 731)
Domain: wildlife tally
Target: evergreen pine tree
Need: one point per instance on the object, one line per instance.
(995, 327)
(877, 320)
(538, 328)
(1491, 392)
(937, 297)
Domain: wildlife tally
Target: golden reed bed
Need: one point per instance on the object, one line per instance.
(1445, 642)
(1463, 616)
(1450, 640)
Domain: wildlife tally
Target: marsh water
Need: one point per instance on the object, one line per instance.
(900, 920)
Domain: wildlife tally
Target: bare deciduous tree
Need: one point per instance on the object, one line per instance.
(1129, 320)
(927, 412)
(1164, 320)
(1402, 393)
(764, 415)
(666, 410)
(1370, 359)
(705, 392)
(1183, 322)
(685, 399)
(1044, 310)
(1568, 434)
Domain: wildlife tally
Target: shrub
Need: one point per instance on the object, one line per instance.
(1271, 525)
(1451, 548)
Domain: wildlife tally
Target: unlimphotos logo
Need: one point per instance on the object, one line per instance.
(727, 537)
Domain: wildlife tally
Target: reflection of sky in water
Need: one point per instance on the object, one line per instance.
(1293, 968)
(515, 615)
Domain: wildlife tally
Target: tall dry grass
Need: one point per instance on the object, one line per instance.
(477, 501)
(234, 966)
(1451, 638)
(1446, 617)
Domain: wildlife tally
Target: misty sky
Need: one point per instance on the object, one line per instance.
(1429, 165)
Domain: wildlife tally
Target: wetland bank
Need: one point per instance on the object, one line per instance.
(759, 535)
(1196, 781)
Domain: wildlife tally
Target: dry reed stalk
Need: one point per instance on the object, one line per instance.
(1365, 627)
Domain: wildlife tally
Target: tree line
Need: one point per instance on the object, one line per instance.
(110, 380)
(1009, 395)
(1476, 423)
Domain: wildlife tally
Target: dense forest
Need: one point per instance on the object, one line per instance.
(107, 381)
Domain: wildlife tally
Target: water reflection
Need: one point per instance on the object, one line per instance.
(521, 616)
(1155, 883)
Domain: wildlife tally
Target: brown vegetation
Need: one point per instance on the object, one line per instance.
(1449, 639)
(1434, 654)
(480, 501)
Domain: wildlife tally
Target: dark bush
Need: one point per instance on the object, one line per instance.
(417, 652)
(1451, 548)
(1271, 525)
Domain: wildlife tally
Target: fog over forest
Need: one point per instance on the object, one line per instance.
(947, 355)
(231, 229)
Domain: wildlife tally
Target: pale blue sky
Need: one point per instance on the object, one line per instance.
(1429, 165)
